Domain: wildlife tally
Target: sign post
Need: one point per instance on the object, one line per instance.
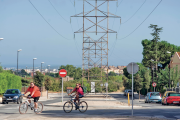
(62, 73)
(154, 85)
(132, 68)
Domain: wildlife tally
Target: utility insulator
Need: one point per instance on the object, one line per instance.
(74, 3)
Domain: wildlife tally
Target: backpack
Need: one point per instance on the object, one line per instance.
(82, 89)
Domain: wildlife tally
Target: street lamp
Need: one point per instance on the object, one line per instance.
(33, 68)
(49, 68)
(1, 38)
(41, 66)
(169, 67)
(17, 59)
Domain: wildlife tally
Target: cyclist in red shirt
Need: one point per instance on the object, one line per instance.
(34, 93)
(79, 92)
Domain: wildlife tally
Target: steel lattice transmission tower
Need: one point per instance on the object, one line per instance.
(95, 39)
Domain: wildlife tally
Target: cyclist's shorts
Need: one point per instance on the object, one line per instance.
(36, 99)
(80, 96)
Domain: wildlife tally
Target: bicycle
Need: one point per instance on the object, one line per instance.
(69, 104)
(25, 105)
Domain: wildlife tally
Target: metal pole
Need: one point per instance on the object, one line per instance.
(62, 89)
(132, 89)
(154, 89)
(169, 71)
(41, 67)
(17, 62)
(33, 70)
(26, 72)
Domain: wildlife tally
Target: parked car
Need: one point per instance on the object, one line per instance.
(125, 92)
(171, 98)
(12, 95)
(130, 93)
(163, 97)
(153, 97)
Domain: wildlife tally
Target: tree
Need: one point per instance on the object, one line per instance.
(126, 82)
(1, 69)
(23, 72)
(25, 82)
(72, 71)
(47, 84)
(112, 74)
(39, 78)
(138, 83)
(156, 38)
(147, 79)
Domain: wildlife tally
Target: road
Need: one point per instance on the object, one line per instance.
(10, 111)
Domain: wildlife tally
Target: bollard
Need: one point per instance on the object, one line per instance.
(128, 100)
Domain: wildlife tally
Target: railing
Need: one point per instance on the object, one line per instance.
(177, 89)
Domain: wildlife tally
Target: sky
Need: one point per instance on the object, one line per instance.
(23, 28)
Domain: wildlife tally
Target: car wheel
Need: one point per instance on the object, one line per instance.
(3, 102)
(6, 102)
(18, 101)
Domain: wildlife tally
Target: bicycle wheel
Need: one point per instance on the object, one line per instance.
(68, 106)
(39, 108)
(23, 107)
(83, 106)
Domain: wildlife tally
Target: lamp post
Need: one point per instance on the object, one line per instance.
(17, 59)
(169, 68)
(49, 69)
(33, 68)
(1, 38)
(26, 72)
(41, 66)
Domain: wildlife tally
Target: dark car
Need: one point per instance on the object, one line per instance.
(12, 95)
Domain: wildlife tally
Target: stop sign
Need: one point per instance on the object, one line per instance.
(154, 84)
(62, 72)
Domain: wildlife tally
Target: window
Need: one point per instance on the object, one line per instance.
(173, 94)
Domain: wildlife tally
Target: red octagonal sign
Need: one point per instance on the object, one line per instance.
(63, 73)
(154, 84)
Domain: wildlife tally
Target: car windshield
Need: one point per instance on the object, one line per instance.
(155, 94)
(174, 94)
(11, 92)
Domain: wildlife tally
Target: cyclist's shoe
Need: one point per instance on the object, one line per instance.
(35, 110)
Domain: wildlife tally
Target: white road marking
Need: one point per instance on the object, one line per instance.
(159, 116)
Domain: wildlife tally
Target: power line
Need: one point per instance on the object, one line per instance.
(58, 12)
(141, 22)
(134, 13)
(127, 21)
(68, 22)
(47, 21)
(137, 26)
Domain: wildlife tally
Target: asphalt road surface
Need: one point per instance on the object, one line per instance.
(10, 111)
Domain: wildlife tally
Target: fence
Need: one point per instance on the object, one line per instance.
(177, 90)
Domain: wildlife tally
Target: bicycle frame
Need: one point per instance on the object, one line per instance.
(72, 101)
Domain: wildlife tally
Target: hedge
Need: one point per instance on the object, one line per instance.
(9, 81)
